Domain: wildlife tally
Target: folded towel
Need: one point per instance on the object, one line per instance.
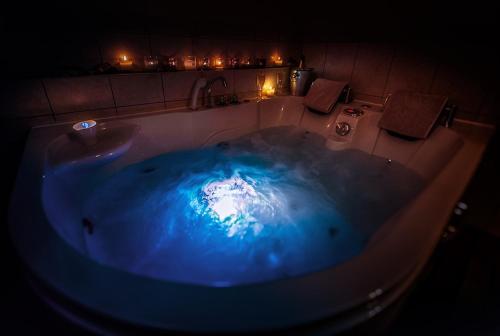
(323, 94)
(412, 114)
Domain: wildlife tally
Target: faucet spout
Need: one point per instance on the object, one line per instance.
(198, 85)
(209, 99)
(219, 78)
(203, 83)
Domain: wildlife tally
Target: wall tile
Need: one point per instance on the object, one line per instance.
(178, 85)
(264, 49)
(79, 94)
(135, 89)
(372, 68)
(77, 51)
(413, 69)
(210, 47)
(340, 61)
(165, 45)
(489, 107)
(246, 80)
(315, 56)
(23, 98)
(241, 48)
(462, 81)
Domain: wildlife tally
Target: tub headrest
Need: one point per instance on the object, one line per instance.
(412, 114)
(324, 94)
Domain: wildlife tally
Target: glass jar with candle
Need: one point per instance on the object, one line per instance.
(172, 63)
(278, 61)
(151, 62)
(218, 63)
(190, 63)
(234, 62)
(125, 62)
(204, 63)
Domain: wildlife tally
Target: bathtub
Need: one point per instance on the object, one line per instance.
(103, 298)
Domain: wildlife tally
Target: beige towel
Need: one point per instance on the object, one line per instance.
(412, 114)
(323, 94)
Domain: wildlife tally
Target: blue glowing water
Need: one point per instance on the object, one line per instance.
(267, 206)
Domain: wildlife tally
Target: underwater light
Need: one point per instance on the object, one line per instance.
(234, 205)
(228, 198)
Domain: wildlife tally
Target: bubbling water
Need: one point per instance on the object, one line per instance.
(267, 206)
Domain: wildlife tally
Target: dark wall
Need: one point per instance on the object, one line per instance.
(50, 48)
(465, 72)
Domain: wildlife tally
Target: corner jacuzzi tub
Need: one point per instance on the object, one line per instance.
(256, 217)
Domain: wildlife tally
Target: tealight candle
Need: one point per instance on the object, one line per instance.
(124, 61)
(278, 60)
(247, 61)
(190, 63)
(268, 90)
(219, 63)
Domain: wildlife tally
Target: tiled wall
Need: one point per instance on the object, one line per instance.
(466, 74)
(53, 100)
(59, 54)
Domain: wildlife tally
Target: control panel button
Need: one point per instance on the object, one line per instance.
(342, 128)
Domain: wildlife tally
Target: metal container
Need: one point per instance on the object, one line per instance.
(300, 81)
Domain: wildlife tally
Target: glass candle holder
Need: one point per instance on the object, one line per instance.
(151, 62)
(172, 63)
(190, 62)
(247, 62)
(234, 62)
(277, 60)
(205, 63)
(124, 61)
(218, 63)
(261, 80)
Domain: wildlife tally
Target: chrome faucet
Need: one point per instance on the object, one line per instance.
(203, 83)
(208, 89)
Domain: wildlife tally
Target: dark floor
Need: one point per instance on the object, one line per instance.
(458, 295)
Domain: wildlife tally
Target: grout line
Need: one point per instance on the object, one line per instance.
(163, 90)
(324, 60)
(434, 74)
(355, 61)
(112, 94)
(99, 49)
(48, 100)
(387, 76)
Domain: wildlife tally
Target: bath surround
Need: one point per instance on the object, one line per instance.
(332, 299)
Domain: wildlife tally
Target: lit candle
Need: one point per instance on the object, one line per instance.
(190, 62)
(205, 63)
(219, 63)
(268, 90)
(277, 60)
(247, 61)
(124, 61)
